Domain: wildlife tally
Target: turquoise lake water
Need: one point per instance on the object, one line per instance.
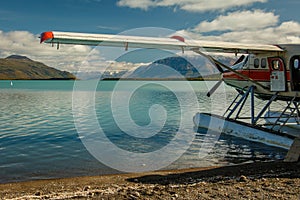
(42, 130)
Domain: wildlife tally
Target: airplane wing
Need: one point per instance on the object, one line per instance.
(171, 43)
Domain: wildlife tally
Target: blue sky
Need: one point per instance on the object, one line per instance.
(260, 21)
(109, 17)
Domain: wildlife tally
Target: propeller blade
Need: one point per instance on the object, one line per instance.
(219, 68)
(239, 60)
(218, 64)
(214, 88)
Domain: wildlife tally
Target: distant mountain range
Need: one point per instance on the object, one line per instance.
(16, 67)
(177, 67)
(169, 68)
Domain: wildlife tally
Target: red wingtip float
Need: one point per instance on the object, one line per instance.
(46, 36)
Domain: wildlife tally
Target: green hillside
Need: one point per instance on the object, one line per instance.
(17, 67)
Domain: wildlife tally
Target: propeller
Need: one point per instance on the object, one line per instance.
(214, 88)
(239, 60)
(220, 67)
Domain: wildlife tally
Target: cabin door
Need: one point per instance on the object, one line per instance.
(295, 73)
(277, 76)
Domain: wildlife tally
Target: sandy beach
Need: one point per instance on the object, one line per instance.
(266, 180)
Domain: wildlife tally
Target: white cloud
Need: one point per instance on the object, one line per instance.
(121, 66)
(68, 57)
(273, 35)
(142, 4)
(255, 26)
(286, 32)
(289, 27)
(247, 27)
(207, 5)
(188, 5)
(240, 20)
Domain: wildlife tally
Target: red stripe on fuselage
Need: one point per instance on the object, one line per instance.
(256, 75)
(232, 75)
(260, 75)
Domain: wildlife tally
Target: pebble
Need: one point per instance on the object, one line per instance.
(86, 188)
(137, 194)
(243, 178)
(115, 185)
(256, 190)
(232, 187)
(131, 196)
(38, 193)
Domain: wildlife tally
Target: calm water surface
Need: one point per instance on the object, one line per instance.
(38, 138)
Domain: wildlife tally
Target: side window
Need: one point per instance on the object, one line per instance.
(256, 63)
(275, 65)
(263, 63)
(295, 72)
(296, 63)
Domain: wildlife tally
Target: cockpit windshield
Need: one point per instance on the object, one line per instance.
(240, 64)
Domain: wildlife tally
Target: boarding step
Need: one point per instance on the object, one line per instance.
(238, 103)
(287, 114)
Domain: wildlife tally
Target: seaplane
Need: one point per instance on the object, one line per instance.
(268, 72)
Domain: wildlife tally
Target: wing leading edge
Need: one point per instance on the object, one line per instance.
(172, 43)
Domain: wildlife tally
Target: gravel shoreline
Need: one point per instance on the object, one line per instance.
(267, 180)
